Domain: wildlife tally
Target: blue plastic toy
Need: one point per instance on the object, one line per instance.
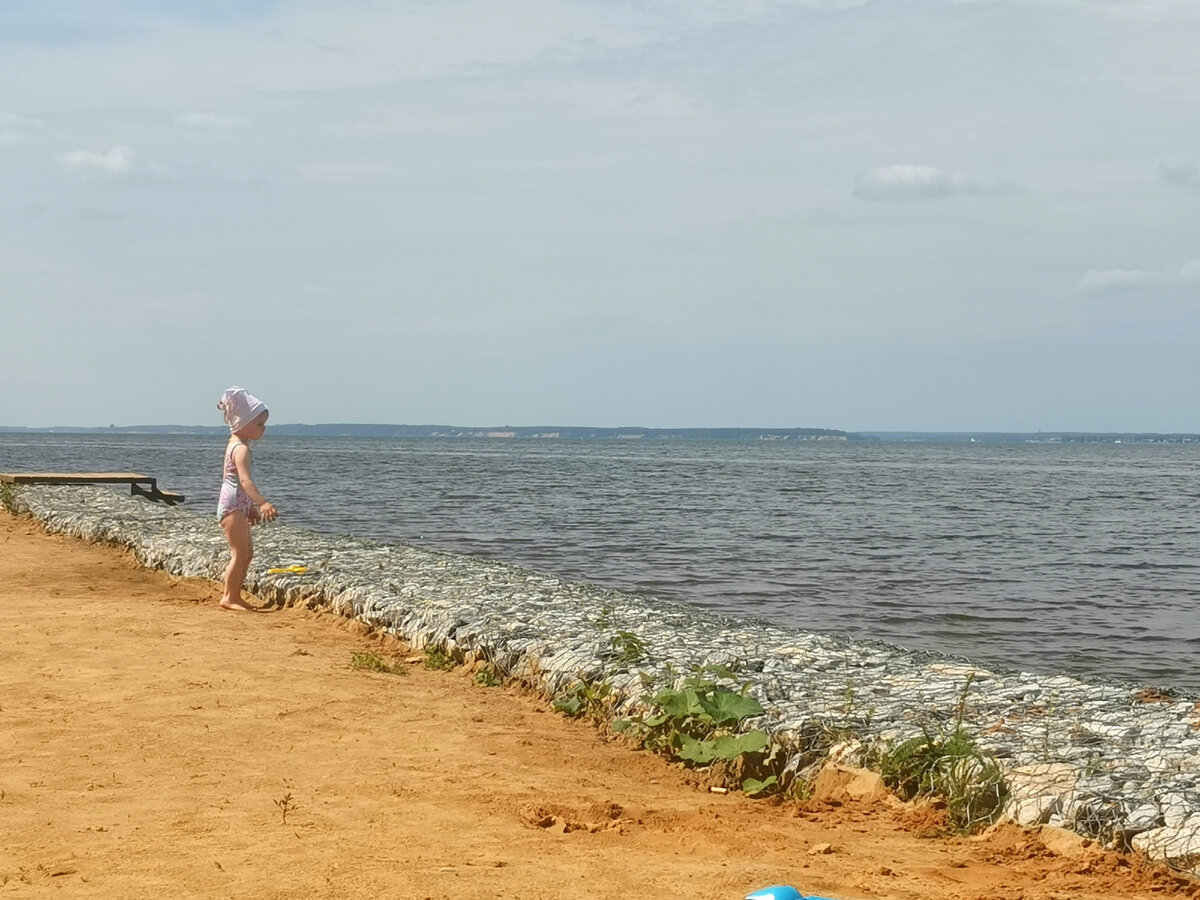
(781, 892)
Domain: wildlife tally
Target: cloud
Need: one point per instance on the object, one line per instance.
(16, 129)
(119, 160)
(1117, 281)
(210, 121)
(904, 183)
(1184, 174)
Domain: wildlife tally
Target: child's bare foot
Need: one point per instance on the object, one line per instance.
(236, 603)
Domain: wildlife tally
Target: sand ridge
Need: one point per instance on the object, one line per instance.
(154, 745)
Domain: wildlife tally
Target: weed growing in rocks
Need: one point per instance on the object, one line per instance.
(697, 725)
(628, 647)
(488, 677)
(950, 766)
(438, 659)
(589, 701)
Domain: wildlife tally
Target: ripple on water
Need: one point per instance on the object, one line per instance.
(1080, 557)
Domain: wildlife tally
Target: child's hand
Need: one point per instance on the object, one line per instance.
(254, 516)
(268, 512)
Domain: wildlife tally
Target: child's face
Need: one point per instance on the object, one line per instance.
(255, 429)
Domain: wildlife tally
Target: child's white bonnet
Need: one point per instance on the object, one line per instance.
(240, 408)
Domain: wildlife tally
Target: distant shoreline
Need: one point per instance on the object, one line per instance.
(584, 433)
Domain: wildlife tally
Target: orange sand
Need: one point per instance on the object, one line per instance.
(150, 741)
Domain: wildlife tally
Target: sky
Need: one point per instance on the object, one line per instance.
(978, 215)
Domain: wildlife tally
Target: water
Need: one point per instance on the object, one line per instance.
(1082, 558)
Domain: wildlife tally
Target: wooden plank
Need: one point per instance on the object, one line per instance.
(74, 478)
(138, 484)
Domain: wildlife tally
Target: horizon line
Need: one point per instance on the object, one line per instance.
(612, 428)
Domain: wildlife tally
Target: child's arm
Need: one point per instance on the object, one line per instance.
(241, 461)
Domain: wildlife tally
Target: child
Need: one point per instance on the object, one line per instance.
(240, 504)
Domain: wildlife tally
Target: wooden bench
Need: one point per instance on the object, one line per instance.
(142, 485)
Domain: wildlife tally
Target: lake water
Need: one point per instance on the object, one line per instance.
(1082, 558)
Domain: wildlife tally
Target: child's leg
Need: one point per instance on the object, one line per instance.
(241, 551)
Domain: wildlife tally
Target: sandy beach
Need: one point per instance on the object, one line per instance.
(154, 745)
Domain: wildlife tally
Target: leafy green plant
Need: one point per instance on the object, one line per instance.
(488, 677)
(586, 700)
(715, 670)
(629, 648)
(604, 620)
(756, 787)
(438, 659)
(373, 662)
(8, 496)
(697, 724)
(948, 765)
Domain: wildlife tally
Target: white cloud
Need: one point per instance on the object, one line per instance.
(902, 183)
(1113, 281)
(1184, 174)
(16, 129)
(117, 161)
(210, 121)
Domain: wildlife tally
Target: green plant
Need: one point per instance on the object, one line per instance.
(716, 670)
(855, 718)
(372, 662)
(1094, 766)
(849, 694)
(697, 724)
(948, 765)
(586, 700)
(8, 496)
(756, 787)
(629, 648)
(488, 677)
(438, 659)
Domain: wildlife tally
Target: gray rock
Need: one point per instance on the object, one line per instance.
(1143, 818)
(1176, 845)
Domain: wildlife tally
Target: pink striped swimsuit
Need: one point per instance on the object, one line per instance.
(232, 496)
